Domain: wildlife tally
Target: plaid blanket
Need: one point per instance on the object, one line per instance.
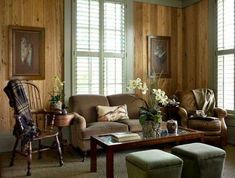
(24, 125)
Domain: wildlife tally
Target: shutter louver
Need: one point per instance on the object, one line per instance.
(225, 54)
(100, 47)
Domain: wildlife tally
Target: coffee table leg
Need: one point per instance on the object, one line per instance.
(109, 163)
(93, 155)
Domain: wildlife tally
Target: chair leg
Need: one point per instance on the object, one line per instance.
(84, 154)
(14, 152)
(59, 150)
(39, 147)
(29, 158)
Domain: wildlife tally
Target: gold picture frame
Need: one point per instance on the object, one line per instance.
(26, 53)
(159, 56)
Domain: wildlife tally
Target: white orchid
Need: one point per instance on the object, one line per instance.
(138, 84)
(158, 95)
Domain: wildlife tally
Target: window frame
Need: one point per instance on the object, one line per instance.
(126, 61)
(222, 52)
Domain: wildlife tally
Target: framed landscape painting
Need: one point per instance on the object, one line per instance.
(26, 53)
(159, 56)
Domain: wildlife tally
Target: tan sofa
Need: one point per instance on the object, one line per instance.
(215, 131)
(86, 126)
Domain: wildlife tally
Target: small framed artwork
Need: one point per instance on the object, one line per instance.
(26, 53)
(159, 56)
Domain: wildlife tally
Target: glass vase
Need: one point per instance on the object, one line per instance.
(150, 128)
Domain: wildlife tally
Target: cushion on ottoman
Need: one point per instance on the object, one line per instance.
(153, 163)
(200, 160)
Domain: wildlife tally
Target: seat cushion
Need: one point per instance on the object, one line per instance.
(133, 124)
(152, 159)
(198, 151)
(205, 125)
(98, 128)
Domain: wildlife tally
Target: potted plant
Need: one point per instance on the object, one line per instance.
(56, 94)
(150, 116)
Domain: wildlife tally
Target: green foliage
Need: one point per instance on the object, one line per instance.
(150, 113)
(55, 98)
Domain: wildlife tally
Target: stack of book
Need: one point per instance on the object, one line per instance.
(125, 136)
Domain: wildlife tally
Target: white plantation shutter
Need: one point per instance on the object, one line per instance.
(225, 54)
(100, 52)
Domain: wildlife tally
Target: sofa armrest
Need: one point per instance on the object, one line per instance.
(79, 121)
(220, 113)
(78, 125)
(183, 117)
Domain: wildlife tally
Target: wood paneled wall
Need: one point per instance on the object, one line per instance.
(151, 19)
(195, 33)
(39, 13)
(188, 29)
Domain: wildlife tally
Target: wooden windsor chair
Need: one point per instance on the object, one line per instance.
(37, 112)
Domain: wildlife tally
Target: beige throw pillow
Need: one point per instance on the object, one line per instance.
(112, 113)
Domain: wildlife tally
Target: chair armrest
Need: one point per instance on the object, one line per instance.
(220, 113)
(183, 117)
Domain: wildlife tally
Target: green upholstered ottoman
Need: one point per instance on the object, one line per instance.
(200, 160)
(153, 164)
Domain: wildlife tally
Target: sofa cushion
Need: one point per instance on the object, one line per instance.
(133, 125)
(85, 105)
(112, 113)
(98, 128)
(133, 103)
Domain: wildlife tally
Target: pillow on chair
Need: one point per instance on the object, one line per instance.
(112, 113)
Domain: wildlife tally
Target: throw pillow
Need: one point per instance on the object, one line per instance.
(112, 113)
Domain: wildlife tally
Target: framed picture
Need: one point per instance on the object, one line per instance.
(26, 53)
(159, 56)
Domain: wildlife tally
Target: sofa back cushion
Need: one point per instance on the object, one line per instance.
(187, 101)
(85, 105)
(112, 113)
(133, 103)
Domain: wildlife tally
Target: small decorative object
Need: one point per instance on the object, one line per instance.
(150, 116)
(171, 108)
(172, 126)
(57, 94)
(64, 110)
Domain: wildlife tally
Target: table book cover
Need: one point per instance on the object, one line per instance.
(125, 136)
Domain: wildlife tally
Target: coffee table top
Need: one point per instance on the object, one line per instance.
(180, 135)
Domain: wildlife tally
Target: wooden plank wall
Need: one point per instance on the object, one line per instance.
(151, 19)
(195, 34)
(39, 13)
(188, 29)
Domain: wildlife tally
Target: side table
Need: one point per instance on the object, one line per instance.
(60, 122)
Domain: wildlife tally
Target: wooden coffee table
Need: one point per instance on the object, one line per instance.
(106, 142)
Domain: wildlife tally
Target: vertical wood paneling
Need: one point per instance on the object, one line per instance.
(188, 29)
(196, 46)
(39, 13)
(159, 21)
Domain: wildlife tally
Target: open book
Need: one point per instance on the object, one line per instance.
(125, 136)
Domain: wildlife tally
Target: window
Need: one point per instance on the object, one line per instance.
(225, 54)
(99, 65)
